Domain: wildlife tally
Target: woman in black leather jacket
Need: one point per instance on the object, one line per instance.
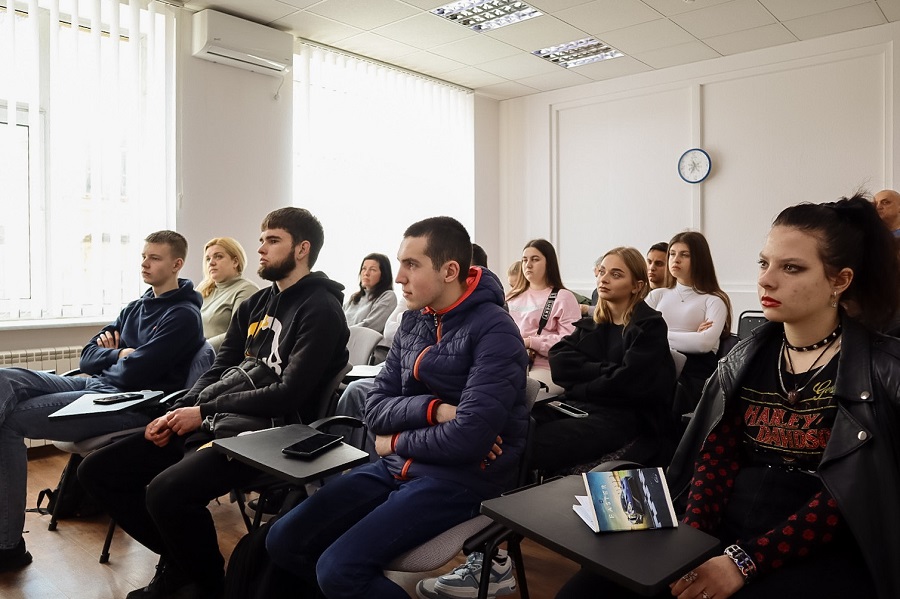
(798, 432)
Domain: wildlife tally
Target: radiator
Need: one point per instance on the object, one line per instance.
(58, 359)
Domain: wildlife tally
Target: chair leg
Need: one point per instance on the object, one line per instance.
(68, 475)
(515, 550)
(104, 553)
(239, 498)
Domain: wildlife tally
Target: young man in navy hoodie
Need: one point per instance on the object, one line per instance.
(449, 417)
(149, 346)
(157, 484)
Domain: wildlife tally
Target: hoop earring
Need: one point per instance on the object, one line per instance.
(834, 300)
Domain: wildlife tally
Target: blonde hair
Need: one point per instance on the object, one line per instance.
(234, 251)
(637, 266)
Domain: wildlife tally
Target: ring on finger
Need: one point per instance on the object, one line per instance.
(705, 595)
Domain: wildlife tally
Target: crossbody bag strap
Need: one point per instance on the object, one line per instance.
(548, 307)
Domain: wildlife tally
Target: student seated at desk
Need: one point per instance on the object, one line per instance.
(616, 366)
(290, 340)
(223, 287)
(791, 457)
(373, 303)
(449, 416)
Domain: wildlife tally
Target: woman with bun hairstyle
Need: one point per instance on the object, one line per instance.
(806, 410)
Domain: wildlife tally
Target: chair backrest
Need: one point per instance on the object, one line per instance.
(680, 359)
(532, 388)
(748, 321)
(328, 399)
(200, 363)
(726, 345)
(361, 344)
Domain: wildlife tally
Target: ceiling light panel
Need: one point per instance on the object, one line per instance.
(577, 53)
(486, 15)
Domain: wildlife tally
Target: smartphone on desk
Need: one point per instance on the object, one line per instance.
(117, 398)
(567, 409)
(312, 446)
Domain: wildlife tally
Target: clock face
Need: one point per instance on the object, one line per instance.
(694, 165)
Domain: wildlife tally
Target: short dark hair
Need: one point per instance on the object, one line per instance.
(851, 235)
(479, 256)
(447, 240)
(661, 246)
(302, 226)
(176, 242)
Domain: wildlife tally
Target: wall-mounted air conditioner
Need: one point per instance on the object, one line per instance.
(229, 40)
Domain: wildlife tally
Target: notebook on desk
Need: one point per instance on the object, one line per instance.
(85, 406)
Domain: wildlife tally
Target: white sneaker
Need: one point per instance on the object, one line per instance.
(462, 582)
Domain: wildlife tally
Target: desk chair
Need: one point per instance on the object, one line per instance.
(748, 321)
(361, 345)
(200, 363)
(477, 534)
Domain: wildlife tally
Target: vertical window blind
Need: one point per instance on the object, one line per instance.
(85, 124)
(376, 149)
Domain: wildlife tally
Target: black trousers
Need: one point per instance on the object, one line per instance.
(562, 441)
(158, 495)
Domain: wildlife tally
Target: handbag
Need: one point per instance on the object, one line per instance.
(251, 374)
(545, 316)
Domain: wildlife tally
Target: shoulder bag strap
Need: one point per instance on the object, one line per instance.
(545, 315)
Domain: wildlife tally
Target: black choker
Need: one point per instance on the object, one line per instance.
(834, 335)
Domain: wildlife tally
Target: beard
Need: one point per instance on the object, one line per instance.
(277, 271)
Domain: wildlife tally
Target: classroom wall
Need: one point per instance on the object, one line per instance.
(594, 166)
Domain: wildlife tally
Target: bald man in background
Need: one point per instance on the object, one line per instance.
(887, 203)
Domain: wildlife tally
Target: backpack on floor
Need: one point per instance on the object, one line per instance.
(252, 575)
(75, 503)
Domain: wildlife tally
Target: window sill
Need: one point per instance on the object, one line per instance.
(54, 323)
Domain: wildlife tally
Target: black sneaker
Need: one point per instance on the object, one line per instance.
(15, 558)
(166, 581)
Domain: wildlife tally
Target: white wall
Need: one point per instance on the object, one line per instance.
(234, 151)
(594, 166)
(487, 183)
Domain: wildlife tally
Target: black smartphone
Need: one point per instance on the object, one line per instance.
(567, 409)
(118, 397)
(312, 446)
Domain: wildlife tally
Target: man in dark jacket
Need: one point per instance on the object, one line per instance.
(291, 339)
(149, 346)
(448, 411)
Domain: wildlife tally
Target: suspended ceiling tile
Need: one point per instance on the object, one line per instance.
(425, 31)
(471, 77)
(476, 50)
(557, 80)
(785, 10)
(600, 16)
(751, 39)
(315, 28)
(428, 63)
(375, 46)
(675, 55)
(661, 33)
(426, 4)
(676, 7)
(725, 18)
(845, 19)
(608, 69)
(891, 9)
(537, 33)
(297, 3)
(518, 66)
(364, 15)
(506, 90)
(552, 6)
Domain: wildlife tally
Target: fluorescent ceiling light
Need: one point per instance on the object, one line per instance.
(577, 53)
(485, 15)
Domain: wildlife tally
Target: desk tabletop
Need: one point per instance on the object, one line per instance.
(642, 561)
(263, 450)
(85, 406)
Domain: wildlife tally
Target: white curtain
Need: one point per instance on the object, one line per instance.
(375, 150)
(85, 104)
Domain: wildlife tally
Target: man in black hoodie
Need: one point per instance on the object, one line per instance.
(149, 346)
(157, 485)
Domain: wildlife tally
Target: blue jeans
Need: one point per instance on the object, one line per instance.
(345, 534)
(27, 397)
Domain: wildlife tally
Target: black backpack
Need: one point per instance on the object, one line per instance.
(252, 575)
(75, 503)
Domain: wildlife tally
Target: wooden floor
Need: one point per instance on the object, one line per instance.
(65, 561)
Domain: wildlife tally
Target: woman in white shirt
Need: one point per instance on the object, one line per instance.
(373, 303)
(527, 303)
(223, 287)
(696, 310)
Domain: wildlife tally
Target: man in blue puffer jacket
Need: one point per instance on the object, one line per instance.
(450, 420)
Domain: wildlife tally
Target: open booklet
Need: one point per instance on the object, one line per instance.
(626, 500)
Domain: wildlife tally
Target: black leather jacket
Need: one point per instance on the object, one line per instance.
(861, 463)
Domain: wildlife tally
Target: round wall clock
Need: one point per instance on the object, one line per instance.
(694, 165)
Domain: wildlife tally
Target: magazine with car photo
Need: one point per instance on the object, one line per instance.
(636, 499)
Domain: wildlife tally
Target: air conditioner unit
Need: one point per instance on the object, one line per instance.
(229, 40)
